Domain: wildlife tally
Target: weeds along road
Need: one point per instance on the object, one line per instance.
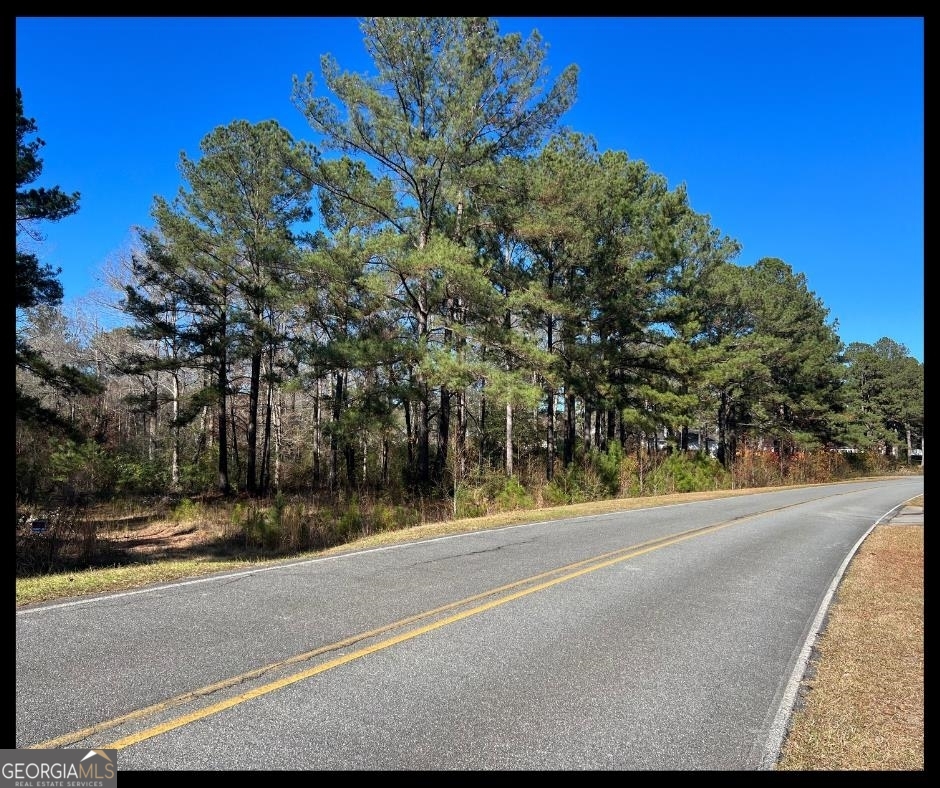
(664, 638)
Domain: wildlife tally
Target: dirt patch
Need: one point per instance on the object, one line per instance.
(163, 538)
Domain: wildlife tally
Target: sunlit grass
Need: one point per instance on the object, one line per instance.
(45, 588)
(864, 707)
(51, 587)
(862, 710)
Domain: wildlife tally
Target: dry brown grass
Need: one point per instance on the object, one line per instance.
(863, 708)
(167, 548)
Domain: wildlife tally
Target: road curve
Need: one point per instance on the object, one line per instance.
(667, 638)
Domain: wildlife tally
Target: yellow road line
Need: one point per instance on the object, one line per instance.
(591, 564)
(84, 733)
(71, 738)
(265, 689)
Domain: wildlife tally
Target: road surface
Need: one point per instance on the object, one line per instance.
(667, 638)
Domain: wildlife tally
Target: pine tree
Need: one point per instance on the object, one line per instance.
(451, 99)
(36, 283)
(221, 260)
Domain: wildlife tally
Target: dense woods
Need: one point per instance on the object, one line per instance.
(448, 303)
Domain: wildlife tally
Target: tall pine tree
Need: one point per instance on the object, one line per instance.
(451, 99)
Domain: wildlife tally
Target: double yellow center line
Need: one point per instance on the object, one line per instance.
(465, 609)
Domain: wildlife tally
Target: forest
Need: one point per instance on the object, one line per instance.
(449, 305)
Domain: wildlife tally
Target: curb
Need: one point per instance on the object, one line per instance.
(908, 515)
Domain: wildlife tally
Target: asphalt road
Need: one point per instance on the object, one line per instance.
(668, 638)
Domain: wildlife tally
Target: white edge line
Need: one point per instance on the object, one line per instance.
(291, 565)
(778, 729)
(230, 575)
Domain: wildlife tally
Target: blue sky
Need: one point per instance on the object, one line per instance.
(801, 138)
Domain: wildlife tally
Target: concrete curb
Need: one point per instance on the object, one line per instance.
(908, 515)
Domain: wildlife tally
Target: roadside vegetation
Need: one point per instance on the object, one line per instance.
(862, 705)
(494, 321)
(448, 304)
(200, 539)
(119, 545)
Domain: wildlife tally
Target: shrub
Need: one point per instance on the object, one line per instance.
(293, 526)
(567, 486)
(388, 517)
(258, 526)
(688, 472)
(350, 521)
(513, 496)
(489, 492)
(607, 465)
(187, 510)
(466, 503)
(202, 475)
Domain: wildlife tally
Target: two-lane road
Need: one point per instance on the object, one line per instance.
(661, 638)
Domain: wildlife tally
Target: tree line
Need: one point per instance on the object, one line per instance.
(449, 285)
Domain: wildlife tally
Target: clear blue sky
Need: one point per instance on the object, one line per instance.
(801, 137)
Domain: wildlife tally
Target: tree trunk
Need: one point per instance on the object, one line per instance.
(509, 438)
(639, 461)
(152, 419)
(550, 393)
(175, 410)
(587, 428)
(224, 483)
(265, 479)
(724, 450)
(385, 448)
(317, 433)
(203, 437)
(251, 443)
(484, 448)
(423, 433)
(570, 428)
(461, 444)
(443, 435)
(423, 437)
(409, 437)
(338, 394)
(349, 452)
(233, 432)
(550, 438)
(277, 442)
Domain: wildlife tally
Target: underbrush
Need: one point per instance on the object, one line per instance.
(74, 536)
